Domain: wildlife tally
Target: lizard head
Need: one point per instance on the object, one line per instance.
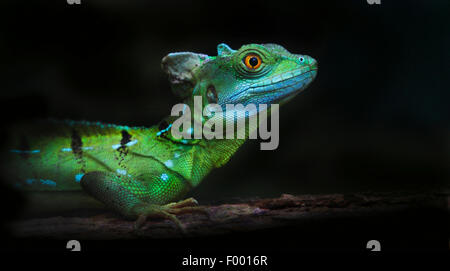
(254, 74)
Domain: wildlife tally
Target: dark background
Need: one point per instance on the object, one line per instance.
(376, 119)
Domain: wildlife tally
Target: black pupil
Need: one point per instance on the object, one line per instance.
(253, 61)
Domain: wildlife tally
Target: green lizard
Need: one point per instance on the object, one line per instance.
(142, 172)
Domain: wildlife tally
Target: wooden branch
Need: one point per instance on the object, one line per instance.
(239, 216)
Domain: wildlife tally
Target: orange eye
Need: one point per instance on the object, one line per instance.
(252, 61)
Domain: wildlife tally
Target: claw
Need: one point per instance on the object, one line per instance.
(183, 203)
(175, 220)
(184, 210)
(140, 221)
(169, 211)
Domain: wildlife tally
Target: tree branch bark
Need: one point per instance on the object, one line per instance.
(239, 216)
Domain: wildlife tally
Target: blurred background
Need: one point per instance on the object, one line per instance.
(377, 117)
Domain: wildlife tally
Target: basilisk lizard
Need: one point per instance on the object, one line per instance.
(141, 172)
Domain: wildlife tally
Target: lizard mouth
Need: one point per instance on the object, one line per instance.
(285, 85)
(275, 89)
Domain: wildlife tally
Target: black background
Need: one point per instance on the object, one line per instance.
(375, 119)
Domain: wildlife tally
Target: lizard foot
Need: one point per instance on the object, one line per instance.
(169, 211)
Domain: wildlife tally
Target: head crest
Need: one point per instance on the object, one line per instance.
(180, 67)
(224, 50)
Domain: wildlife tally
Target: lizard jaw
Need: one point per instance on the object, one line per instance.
(275, 89)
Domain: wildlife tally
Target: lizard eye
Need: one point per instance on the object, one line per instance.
(301, 59)
(252, 61)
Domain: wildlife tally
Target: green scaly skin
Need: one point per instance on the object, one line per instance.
(140, 172)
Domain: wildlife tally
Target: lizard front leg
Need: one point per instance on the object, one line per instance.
(142, 198)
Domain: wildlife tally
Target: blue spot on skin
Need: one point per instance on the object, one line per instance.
(88, 148)
(131, 143)
(66, 149)
(121, 171)
(123, 127)
(168, 163)
(48, 182)
(116, 146)
(164, 177)
(78, 177)
(30, 181)
(176, 155)
(19, 151)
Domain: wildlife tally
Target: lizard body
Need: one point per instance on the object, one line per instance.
(139, 172)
